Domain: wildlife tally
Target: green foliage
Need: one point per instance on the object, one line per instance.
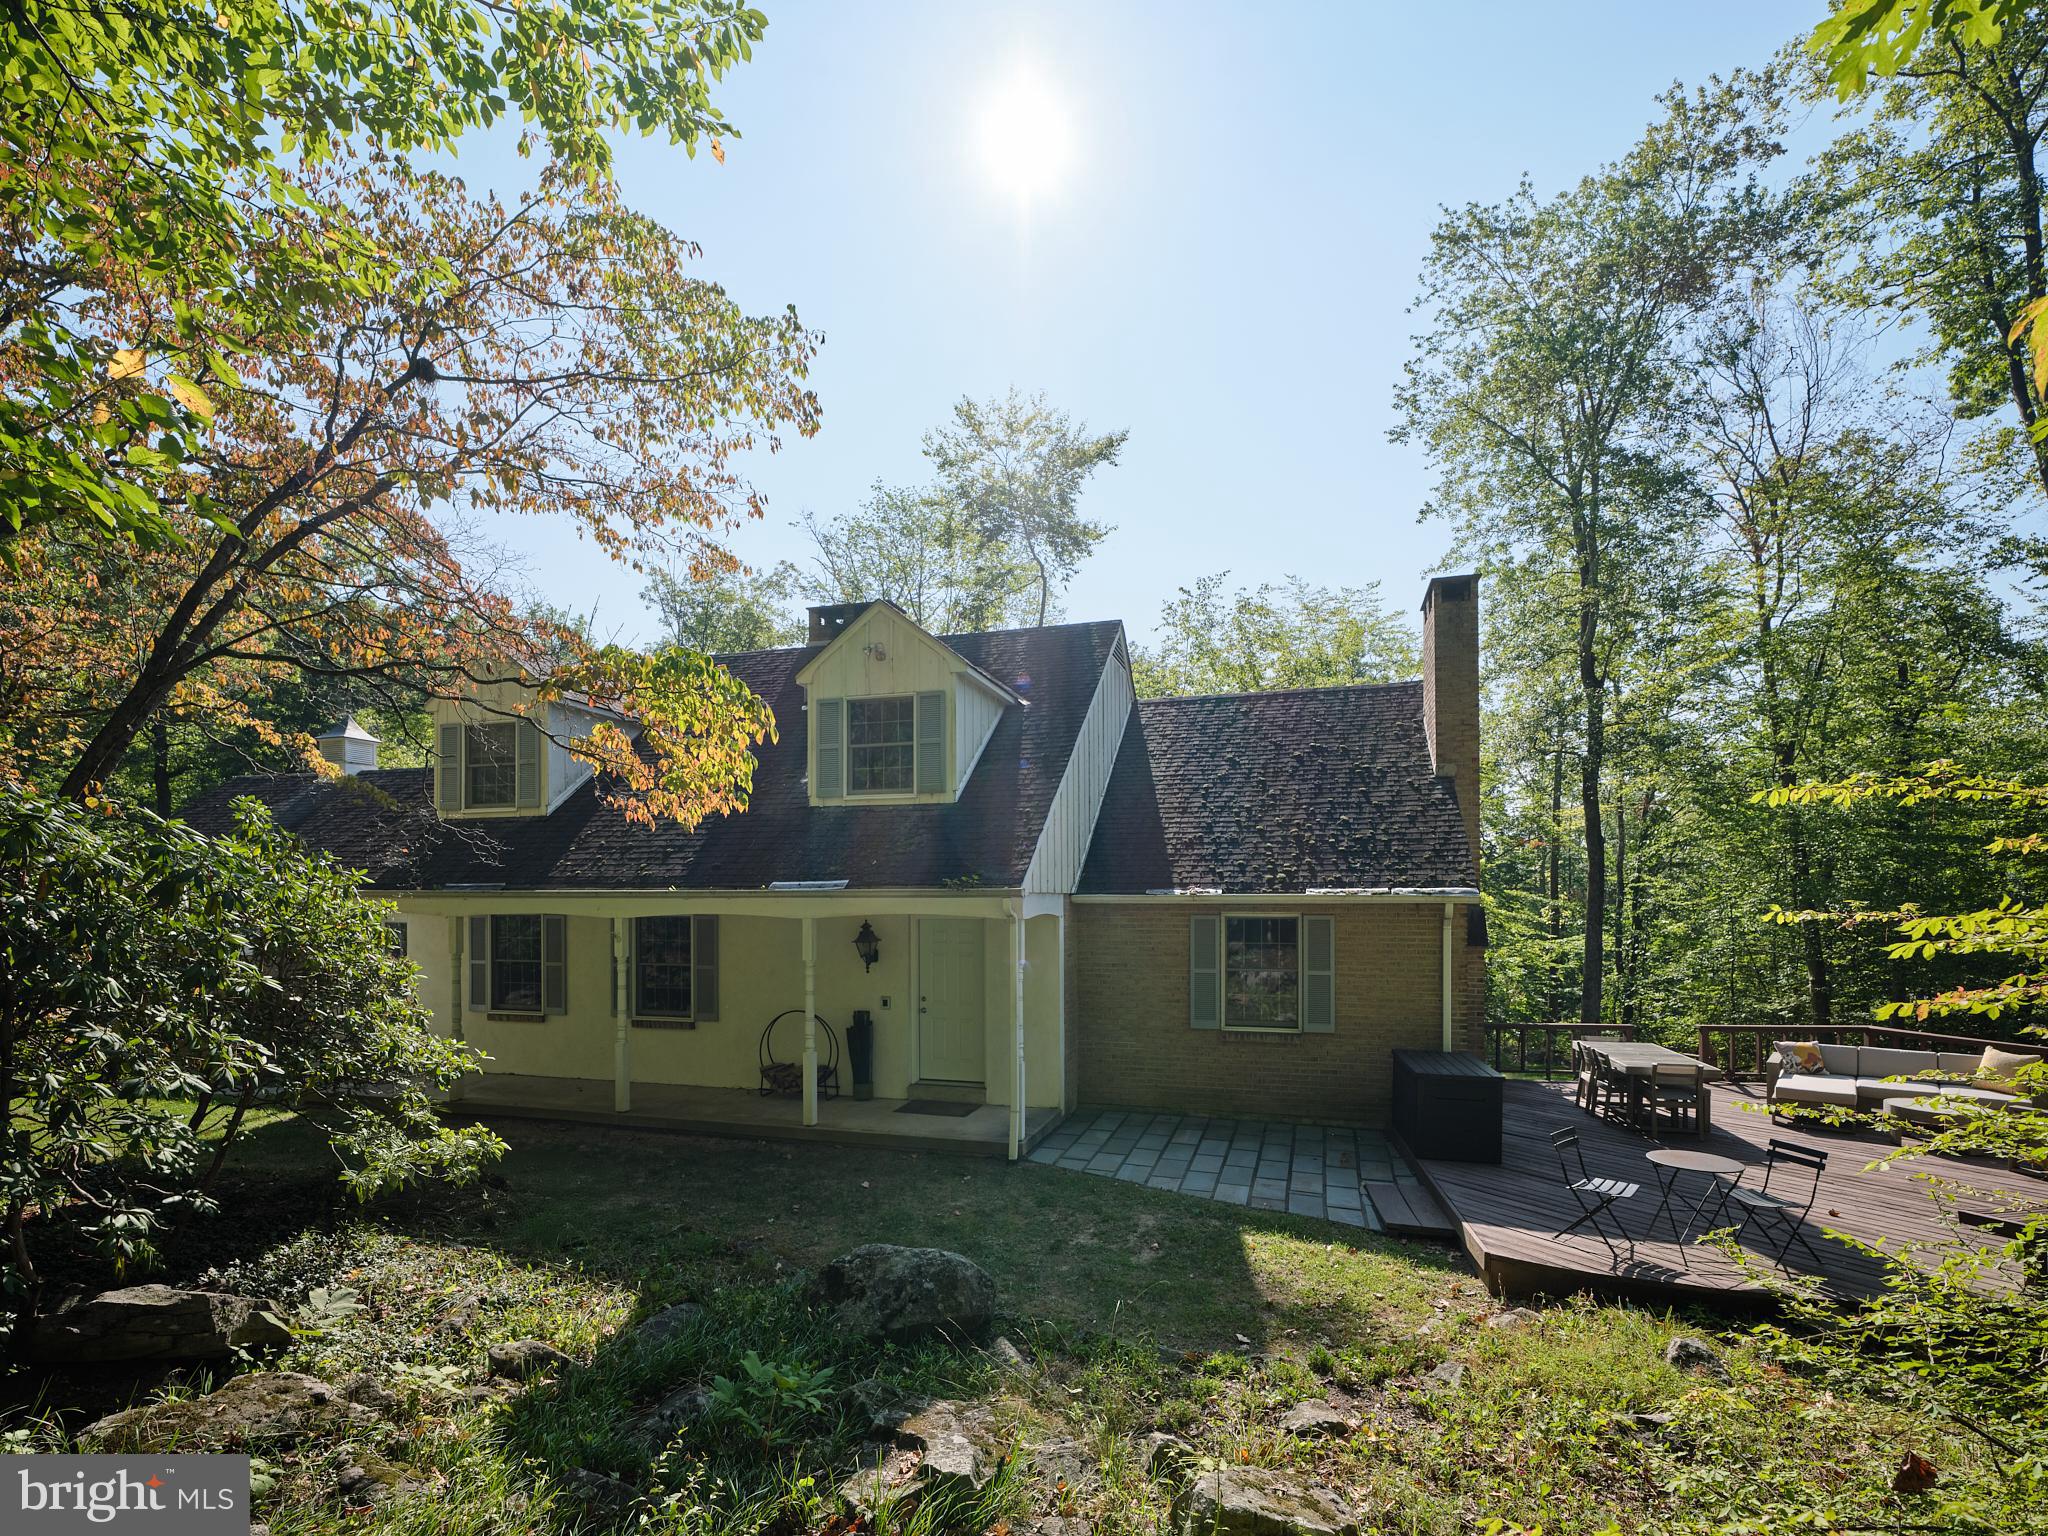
(153, 147)
(1866, 37)
(724, 611)
(1292, 635)
(769, 1401)
(146, 964)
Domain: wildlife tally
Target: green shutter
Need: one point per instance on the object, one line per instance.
(1205, 972)
(479, 962)
(704, 968)
(1318, 976)
(527, 734)
(931, 743)
(448, 769)
(554, 965)
(828, 748)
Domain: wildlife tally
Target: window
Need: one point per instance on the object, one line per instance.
(881, 745)
(1262, 972)
(394, 934)
(515, 963)
(661, 967)
(490, 765)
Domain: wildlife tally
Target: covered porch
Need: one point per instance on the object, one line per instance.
(984, 1130)
(964, 998)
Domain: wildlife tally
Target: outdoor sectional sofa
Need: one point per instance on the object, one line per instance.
(1863, 1077)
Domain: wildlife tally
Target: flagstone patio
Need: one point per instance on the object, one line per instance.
(1267, 1165)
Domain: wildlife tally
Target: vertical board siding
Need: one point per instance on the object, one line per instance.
(1070, 824)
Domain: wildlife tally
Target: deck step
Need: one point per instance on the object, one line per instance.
(1409, 1210)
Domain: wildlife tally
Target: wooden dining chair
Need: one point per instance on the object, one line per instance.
(1675, 1091)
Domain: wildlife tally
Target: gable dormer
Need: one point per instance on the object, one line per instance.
(894, 714)
(500, 752)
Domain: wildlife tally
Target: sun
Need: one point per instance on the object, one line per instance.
(1024, 134)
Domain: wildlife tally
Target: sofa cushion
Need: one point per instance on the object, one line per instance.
(1884, 1061)
(1962, 1063)
(1996, 1068)
(1801, 1056)
(1979, 1093)
(1812, 1088)
(1841, 1059)
(1883, 1088)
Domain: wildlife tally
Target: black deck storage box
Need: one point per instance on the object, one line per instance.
(1447, 1105)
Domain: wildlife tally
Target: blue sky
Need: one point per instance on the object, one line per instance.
(1224, 270)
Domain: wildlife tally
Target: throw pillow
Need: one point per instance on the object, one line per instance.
(1996, 1068)
(1803, 1056)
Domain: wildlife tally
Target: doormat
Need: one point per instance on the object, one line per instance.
(947, 1107)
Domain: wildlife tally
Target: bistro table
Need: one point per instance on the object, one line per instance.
(1669, 1162)
(1637, 1059)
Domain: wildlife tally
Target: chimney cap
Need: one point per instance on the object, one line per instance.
(1456, 588)
(347, 730)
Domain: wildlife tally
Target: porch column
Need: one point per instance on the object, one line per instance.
(1017, 1032)
(622, 1032)
(810, 929)
(1449, 909)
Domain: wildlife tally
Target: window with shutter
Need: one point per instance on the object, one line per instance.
(448, 769)
(881, 746)
(828, 748)
(704, 968)
(931, 743)
(1318, 975)
(1262, 972)
(1204, 972)
(490, 778)
(661, 967)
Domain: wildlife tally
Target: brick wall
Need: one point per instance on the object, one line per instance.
(1130, 1015)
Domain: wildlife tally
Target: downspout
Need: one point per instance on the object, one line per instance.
(622, 1035)
(1016, 913)
(810, 932)
(1449, 909)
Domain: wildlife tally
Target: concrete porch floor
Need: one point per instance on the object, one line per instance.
(1268, 1165)
(741, 1112)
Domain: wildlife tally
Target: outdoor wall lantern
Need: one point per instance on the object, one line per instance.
(867, 944)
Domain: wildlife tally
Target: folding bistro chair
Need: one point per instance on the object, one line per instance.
(1769, 1210)
(1597, 1197)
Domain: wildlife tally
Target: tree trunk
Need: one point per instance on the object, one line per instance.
(1556, 839)
(1593, 958)
(160, 764)
(1623, 991)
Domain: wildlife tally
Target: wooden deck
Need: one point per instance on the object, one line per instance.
(1508, 1216)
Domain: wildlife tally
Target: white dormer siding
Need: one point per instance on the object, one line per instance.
(886, 700)
(1070, 823)
(535, 741)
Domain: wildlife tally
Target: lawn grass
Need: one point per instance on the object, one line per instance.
(1139, 1311)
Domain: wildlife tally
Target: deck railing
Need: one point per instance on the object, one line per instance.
(1740, 1050)
(1555, 1039)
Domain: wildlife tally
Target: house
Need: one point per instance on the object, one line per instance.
(1036, 888)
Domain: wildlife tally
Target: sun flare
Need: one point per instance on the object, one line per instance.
(1025, 136)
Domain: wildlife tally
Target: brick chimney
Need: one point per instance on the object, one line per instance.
(828, 619)
(1450, 689)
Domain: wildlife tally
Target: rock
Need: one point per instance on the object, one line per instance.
(157, 1322)
(373, 1480)
(901, 1294)
(681, 1408)
(596, 1491)
(880, 1405)
(1514, 1317)
(1008, 1358)
(1258, 1501)
(460, 1313)
(1056, 1525)
(886, 1478)
(367, 1391)
(958, 1444)
(524, 1359)
(1689, 1354)
(258, 1408)
(1067, 1468)
(1316, 1418)
(1448, 1377)
(1645, 1423)
(1164, 1456)
(667, 1323)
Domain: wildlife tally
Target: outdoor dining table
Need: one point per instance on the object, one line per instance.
(1637, 1059)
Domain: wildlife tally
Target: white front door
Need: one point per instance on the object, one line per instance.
(950, 986)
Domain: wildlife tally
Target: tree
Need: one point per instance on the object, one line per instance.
(154, 217)
(737, 609)
(549, 356)
(1544, 386)
(1865, 37)
(1938, 203)
(1012, 471)
(159, 985)
(1292, 635)
(911, 547)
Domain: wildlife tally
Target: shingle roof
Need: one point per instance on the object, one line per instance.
(1304, 789)
(383, 823)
